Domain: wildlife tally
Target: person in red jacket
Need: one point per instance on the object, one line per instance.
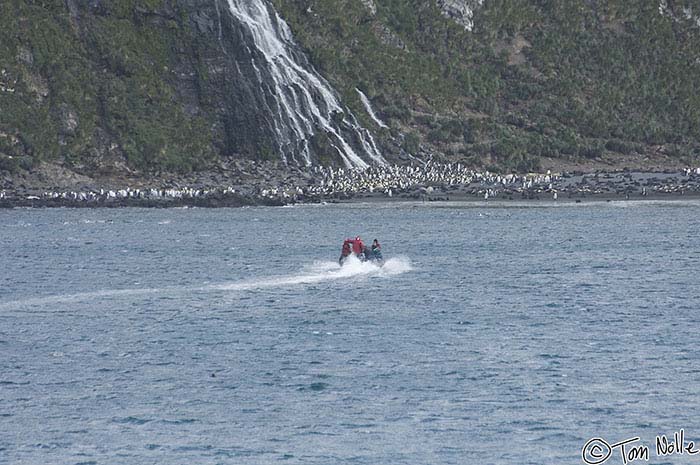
(345, 251)
(358, 247)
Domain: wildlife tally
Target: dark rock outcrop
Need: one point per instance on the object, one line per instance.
(158, 84)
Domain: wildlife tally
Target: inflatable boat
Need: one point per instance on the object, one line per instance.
(356, 248)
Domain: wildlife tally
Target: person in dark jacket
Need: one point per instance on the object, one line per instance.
(376, 251)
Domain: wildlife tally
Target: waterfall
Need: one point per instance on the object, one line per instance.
(370, 110)
(301, 102)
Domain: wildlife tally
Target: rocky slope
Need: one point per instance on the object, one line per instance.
(163, 85)
(517, 83)
(112, 88)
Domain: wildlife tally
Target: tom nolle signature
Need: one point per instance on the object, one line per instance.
(597, 451)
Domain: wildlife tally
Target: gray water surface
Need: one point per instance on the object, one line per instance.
(493, 334)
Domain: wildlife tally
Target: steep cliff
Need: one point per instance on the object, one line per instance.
(111, 86)
(118, 85)
(513, 82)
(103, 85)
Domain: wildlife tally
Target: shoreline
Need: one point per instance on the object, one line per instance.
(428, 183)
(368, 199)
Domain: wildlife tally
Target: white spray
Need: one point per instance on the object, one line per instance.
(319, 272)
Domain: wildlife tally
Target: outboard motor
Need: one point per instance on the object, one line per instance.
(366, 254)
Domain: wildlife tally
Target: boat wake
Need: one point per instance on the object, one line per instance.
(321, 272)
(318, 272)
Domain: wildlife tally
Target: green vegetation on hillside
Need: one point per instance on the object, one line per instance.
(95, 90)
(546, 78)
(142, 84)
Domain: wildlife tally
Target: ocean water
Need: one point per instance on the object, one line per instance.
(493, 335)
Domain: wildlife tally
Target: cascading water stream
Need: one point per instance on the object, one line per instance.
(370, 110)
(303, 102)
